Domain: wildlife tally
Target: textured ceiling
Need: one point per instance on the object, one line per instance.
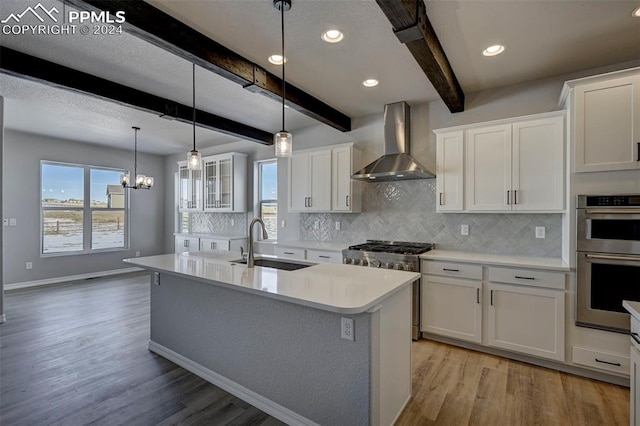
(543, 38)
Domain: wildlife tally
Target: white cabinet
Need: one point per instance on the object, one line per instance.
(290, 252)
(488, 168)
(450, 171)
(452, 307)
(606, 124)
(345, 192)
(526, 319)
(228, 244)
(189, 188)
(183, 244)
(310, 181)
(518, 166)
(225, 183)
(323, 256)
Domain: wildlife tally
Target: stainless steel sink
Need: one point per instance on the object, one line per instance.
(276, 264)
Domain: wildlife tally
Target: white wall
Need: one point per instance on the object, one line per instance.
(21, 192)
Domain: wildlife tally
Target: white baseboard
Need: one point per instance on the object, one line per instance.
(2, 318)
(57, 280)
(273, 409)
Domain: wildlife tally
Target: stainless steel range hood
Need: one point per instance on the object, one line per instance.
(396, 163)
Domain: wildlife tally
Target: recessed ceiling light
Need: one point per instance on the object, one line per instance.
(636, 12)
(332, 36)
(370, 82)
(494, 50)
(276, 59)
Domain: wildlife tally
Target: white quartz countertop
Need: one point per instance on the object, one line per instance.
(633, 308)
(548, 263)
(315, 245)
(330, 287)
(209, 235)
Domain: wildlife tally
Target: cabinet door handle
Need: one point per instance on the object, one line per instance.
(305, 201)
(638, 151)
(508, 197)
(617, 364)
(309, 201)
(324, 257)
(491, 297)
(347, 200)
(451, 270)
(524, 278)
(213, 246)
(515, 196)
(440, 198)
(478, 296)
(186, 243)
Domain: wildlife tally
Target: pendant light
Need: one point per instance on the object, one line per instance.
(142, 181)
(193, 157)
(283, 140)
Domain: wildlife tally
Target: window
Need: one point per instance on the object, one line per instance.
(84, 209)
(268, 196)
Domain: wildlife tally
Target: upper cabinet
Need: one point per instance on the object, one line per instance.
(510, 165)
(320, 180)
(220, 185)
(225, 183)
(605, 113)
(190, 188)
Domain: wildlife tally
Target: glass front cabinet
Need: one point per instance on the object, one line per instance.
(190, 188)
(225, 183)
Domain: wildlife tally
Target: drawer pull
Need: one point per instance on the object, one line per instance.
(324, 257)
(289, 252)
(451, 270)
(617, 364)
(525, 278)
(634, 336)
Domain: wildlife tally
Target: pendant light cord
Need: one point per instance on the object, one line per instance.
(135, 154)
(284, 80)
(194, 106)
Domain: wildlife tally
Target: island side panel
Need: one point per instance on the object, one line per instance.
(291, 354)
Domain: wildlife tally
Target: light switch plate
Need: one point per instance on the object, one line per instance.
(316, 224)
(283, 223)
(540, 232)
(12, 221)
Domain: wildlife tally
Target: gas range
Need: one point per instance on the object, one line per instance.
(402, 256)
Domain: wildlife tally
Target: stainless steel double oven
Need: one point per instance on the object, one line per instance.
(608, 258)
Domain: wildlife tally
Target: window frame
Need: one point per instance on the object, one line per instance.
(259, 201)
(87, 213)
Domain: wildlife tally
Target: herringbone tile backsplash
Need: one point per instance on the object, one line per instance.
(406, 211)
(219, 223)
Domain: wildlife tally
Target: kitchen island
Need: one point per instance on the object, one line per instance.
(275, 338)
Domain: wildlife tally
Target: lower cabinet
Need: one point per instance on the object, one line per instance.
(452, 307)
(525, 319)
(234, 244)
(528, 318)
(186, 244)
(324, 256)
(289, 252)
(635, 386)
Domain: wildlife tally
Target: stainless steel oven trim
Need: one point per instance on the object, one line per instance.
(595, 318)
(584, 231)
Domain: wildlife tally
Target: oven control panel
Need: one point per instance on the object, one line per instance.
(611, 201)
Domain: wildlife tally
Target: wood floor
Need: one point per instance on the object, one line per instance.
(76, 354)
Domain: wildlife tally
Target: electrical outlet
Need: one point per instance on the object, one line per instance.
(156, 278)
(464, 229)
(29, 265)
(540, 231)
(283, 223)
(137, 254)
(12, 221)
(233, 222)
(5, 222)
(337, 225)
(347, 329)
(316, 224)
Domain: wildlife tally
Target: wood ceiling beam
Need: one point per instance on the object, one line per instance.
(160, 29)
(31, 68)
(413, 28)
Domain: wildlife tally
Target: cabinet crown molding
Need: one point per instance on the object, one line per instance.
(560, 113)
(570, 84)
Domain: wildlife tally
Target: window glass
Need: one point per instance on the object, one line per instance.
(62, 186)
(106, 190)
(62, 230)
(268, 202)
(107, 229)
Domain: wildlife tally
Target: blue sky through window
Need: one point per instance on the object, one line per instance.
(62, 182)
(99, 181)
(269, 181)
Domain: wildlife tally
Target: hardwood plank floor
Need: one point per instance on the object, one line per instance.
(76, 354)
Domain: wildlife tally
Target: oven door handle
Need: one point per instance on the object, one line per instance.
(612, 211)
(612, 257)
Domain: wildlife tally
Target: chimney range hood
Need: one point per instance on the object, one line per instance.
(396, 163)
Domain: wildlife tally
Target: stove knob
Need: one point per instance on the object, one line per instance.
(388, 265)
(356, 261)
(408, 267)
(375, 263)
(365, 262)
(347, 260)
(400, 266)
